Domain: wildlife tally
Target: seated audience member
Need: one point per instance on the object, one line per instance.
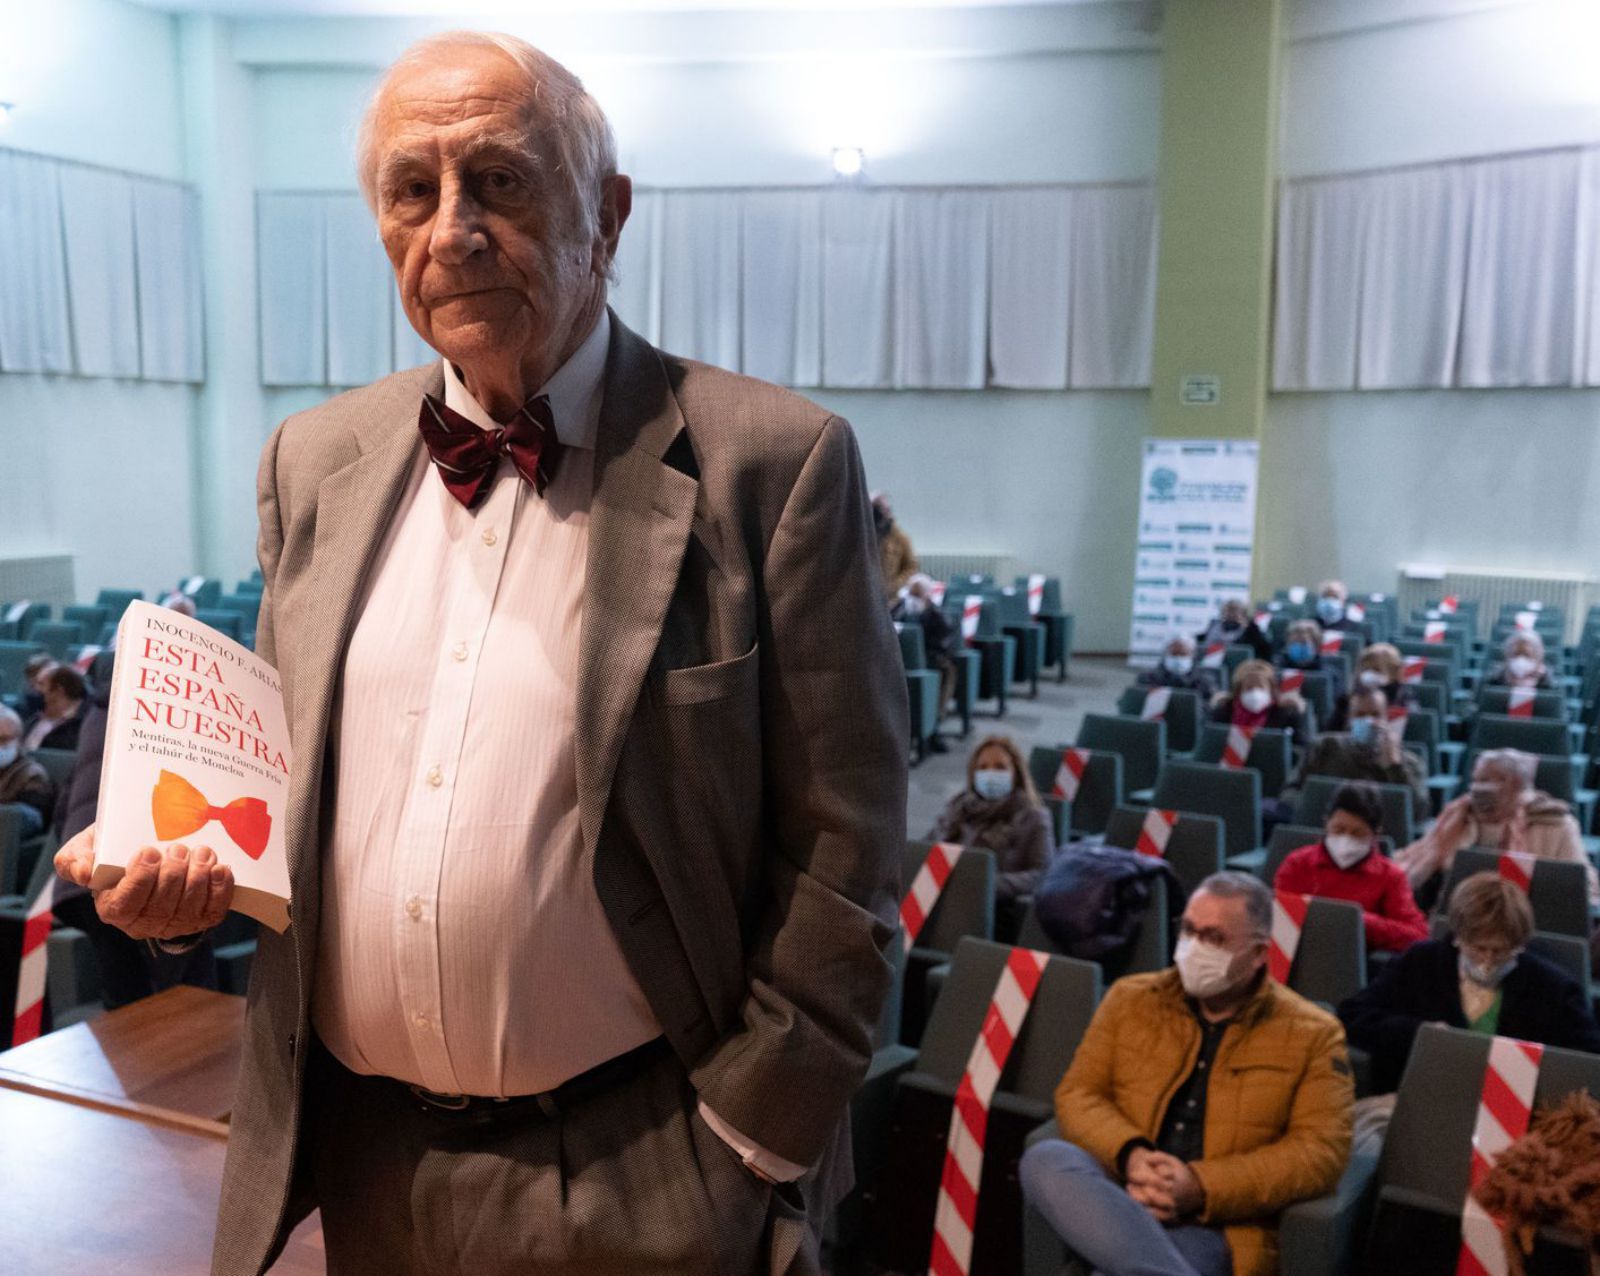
(32, 691)
(129, 969)
(56, 724)
(895, 555)
(1378, 668)
(1481, 978)
(1235, 626)
(1333, 607)
(22, 780)
(1369, 750)
(940, 638)
(1302, 650)
(1000, 811)
(1502, 811)
(1179, 669)
(1256, 701)
(1347, 865)
(1522, 664)
(179, 602)
(1203, 1101)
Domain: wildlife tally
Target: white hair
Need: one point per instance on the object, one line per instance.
(1523, 767)
(585, 147)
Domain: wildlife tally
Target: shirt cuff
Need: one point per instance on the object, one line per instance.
(757, 1159)
(177, 945)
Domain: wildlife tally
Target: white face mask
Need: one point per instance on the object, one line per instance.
(914, 605)
(1346, 851)
(1487, 976)
(8, 754)
(1522, 666)
(1372, 678)
(1179, 665)
(992, 785)
(1205, 969)
(1256, 699)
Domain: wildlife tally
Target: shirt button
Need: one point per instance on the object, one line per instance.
(414, 907)
(435, 778)
(489, 538)
(459, 651)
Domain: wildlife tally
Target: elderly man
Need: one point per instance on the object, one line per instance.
(1203, 1101)
(1502, 811)
(599, 731)
(22, 780)
(1179, 669)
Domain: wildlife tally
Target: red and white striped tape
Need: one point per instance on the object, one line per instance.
(1292, 679)
(971, 610)
(1411, 669)
(1519, 704)
(1214, 656)
(86, 658)
(1449, 604)
(1527, 621)
(1155, 704)
(1356, 612)
(1399, 716)
(1435, 631)
(1035, 594)
(936, 593)
(1237, 746)
(1069, 774)
(29, 1017)
(1288, 920)
(956, 1215)
(1332, 642)
(1509, 1081)
(1262, 619)
(1156, 833)
(1517, 868)
(926, 887)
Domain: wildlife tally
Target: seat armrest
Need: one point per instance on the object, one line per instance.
(1249, 861)
(1320, 1237)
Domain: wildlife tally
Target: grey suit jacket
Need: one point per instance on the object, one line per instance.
(741, 743)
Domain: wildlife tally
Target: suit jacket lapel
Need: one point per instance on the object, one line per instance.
(355, 505)
(639, 521)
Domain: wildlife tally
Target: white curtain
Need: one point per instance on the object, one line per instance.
(35, 332)
(636, 296)
(97, 222)
(857, 305)
(358, 284)
(781, 290)
(1113, 287)
(166, 234)
(941, 289)
(1475, 273)
(700, 276)
(1030, 287)
(292, 288)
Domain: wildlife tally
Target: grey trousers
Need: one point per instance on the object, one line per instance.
(629, 1181)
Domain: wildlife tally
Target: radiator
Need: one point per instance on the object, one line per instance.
(1003, 567)
(1420, 585)
(41, 578)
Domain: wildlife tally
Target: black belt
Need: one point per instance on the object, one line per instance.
(551, 1103)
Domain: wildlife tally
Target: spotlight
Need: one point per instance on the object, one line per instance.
(848, 161)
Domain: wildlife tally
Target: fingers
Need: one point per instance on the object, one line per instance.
(165, 900)
(124, 903)
(219, 895)
(162, 896)
(75, 860)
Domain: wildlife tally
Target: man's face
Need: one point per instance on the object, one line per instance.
(477, 220)
(1225, 923)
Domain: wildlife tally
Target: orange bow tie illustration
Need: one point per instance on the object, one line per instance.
(180, 809)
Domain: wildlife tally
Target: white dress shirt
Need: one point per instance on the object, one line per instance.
(462, 945)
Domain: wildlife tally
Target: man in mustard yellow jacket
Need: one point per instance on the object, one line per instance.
(1203, 1101)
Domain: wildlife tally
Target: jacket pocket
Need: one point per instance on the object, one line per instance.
(700, 684)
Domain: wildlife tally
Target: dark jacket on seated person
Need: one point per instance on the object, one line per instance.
(1197, 679)
(1341, 758)
(64, 735)
(27, 782)
(1397, 694)
(1538, 1002)
(1014, 829)
(1287, 713)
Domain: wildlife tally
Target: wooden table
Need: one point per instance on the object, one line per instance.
(172, 1058)
(115, 1133)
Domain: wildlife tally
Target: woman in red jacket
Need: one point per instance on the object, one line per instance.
(1346, 865)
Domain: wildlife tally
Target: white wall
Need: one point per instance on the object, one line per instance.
(104, 470)
(1498, 478)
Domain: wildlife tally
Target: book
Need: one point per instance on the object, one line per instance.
(197, 751)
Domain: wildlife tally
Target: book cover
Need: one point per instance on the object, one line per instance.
(197, 751)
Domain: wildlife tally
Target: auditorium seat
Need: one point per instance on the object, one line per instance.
(1331, 962)
(1058, 626)
(1149, 948)
(56, 636)
(1099, 793)
(1317, 691)
(1232, 795)
(90, 617)
(1423, 1172)
(1142, 746)
(17, 619)
(902, 1226)
(57, 764)
(230, 623)
(1269, 753)
(14, 657)
(1194, 847)
(1558, 891)
(1399, 822)
(997, 650)
(1015, 622)
(922, 687)
(1545, 704)
(1182, 716)
(116, 601)
(965, 907)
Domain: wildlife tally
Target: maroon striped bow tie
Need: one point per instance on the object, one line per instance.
(466, 455)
